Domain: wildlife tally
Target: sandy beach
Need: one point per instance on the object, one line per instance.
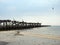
(9, 38)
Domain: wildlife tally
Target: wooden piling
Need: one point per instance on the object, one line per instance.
(9, 24)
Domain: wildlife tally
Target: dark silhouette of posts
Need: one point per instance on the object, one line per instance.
(8, 24)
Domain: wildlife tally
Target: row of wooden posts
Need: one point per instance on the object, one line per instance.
(8, 24)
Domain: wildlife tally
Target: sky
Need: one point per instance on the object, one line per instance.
(31, 11)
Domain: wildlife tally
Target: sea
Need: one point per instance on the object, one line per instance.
(32, 36)
(53, 30)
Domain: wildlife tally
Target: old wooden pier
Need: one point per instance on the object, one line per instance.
(9, 24)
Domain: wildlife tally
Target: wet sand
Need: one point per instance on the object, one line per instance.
(41, 35)
(28, 38)
(3, 43)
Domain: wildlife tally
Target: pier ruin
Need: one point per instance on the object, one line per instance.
(9, 25)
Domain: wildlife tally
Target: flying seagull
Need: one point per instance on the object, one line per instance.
(52, 8)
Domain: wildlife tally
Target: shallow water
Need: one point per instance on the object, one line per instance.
(54, 30)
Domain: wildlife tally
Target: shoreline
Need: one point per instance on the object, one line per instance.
(32, 34)
(27, 38)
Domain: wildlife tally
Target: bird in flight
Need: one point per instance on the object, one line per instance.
(52, 8)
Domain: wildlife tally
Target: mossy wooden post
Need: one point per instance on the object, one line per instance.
(6, 25)
(12, 25)
(3, 25)
(0, 25)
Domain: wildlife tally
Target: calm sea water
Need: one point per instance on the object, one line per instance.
(53, 30)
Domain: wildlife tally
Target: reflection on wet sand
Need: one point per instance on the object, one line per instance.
(41, 35)
(3, 43)
(28, 38)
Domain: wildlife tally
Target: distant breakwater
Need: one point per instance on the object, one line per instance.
(12, 25)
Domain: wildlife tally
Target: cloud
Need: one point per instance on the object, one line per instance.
(30, 5)
(6, 1)
(50, 20)
(37, 2)
(11, 8)
(32, 10)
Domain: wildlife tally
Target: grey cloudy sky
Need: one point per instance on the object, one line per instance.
(31, 10)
